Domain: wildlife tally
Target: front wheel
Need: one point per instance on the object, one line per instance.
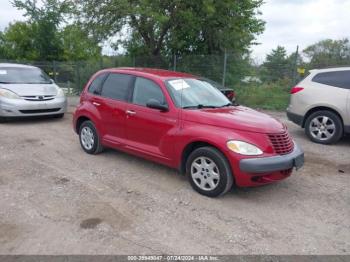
(324, 127)
(209, 172)
(89, 138)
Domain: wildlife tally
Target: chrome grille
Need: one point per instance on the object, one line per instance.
(38, 98)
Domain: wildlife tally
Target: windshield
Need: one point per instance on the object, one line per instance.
(195, 93)
(17, 75)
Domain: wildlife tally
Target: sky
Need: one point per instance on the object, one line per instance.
(288, 23)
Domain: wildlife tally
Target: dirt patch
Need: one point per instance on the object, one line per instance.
(90, 223)
(31, 141)
(61, 181)
(8, 232)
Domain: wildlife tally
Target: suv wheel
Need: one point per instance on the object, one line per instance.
(209, 172)
(324, 127)
(89, 138)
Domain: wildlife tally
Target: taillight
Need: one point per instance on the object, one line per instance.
(296, 89)
(230, 94)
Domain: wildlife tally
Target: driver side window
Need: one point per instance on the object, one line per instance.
(144, 90)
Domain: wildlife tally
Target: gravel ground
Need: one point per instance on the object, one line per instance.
(55, 199)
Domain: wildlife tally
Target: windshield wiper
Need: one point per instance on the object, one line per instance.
(200, 106)
(3, 82)
(226, 105)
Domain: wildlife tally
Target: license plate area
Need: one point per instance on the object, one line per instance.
(298, 162)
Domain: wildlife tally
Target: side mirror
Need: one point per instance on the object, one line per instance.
(155, 104)
(52, 81)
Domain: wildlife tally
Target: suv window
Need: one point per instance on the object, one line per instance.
(95, 86)
(338, 79)
(117, 86)
(145, 90)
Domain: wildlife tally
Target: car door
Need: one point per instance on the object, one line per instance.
(149, 130)
(112, 104)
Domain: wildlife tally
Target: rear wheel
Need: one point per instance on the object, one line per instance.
(89, 138)
(209, 172)
(324, 127)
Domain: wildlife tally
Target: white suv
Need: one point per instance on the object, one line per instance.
(321, 104)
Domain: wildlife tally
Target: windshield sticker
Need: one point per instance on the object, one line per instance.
(178, 84)
(3, 72)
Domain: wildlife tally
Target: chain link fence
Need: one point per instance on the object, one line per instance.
(258, 86)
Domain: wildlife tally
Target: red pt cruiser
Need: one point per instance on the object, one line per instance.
(184, 122)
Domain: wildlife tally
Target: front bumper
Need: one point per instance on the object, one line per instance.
(24, 108)
(272, 164)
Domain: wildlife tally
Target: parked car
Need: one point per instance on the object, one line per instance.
(320, 103)
(178, 120)
(228, 92)
(28, 91)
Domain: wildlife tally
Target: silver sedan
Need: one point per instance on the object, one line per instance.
(28, 91)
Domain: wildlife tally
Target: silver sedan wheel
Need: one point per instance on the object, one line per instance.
(87, 138)
(322, 128)
(205, 173)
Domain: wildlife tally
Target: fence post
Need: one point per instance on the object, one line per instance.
(77, 69)
(224, 71)
(295, 69)
(69, 91)
(101, 62)
(174, 62)
(54, 69)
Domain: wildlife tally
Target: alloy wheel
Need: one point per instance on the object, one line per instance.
(322, 128)
(205, 173)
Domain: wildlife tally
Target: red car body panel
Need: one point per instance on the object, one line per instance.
(164, 136)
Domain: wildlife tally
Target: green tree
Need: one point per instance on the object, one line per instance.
(45, 20)
(328, 53)
(277, 65)
(78, 45)
(175, 26)
(17, 42)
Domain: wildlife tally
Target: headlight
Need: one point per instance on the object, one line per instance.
(8, 94)
(243, 148)
(60, 92)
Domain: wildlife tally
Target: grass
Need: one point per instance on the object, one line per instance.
(274, 96)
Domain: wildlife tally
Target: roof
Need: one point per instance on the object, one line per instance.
(15, 65)
(331, 69)
(160, 73)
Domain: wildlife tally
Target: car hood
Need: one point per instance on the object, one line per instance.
(31, 89)
(237, 117)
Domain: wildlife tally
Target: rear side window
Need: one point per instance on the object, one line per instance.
(145, 90)
(96, 84)
(117, 86)
(338, 79)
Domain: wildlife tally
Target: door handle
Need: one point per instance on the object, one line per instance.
(96, 104)
(130, 112)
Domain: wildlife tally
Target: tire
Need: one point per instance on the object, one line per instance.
(324, 127)
(218, 175)
(88, 131)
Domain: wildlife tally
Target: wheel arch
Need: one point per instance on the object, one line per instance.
(321, 108)
(189, 148)
(80, 121)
